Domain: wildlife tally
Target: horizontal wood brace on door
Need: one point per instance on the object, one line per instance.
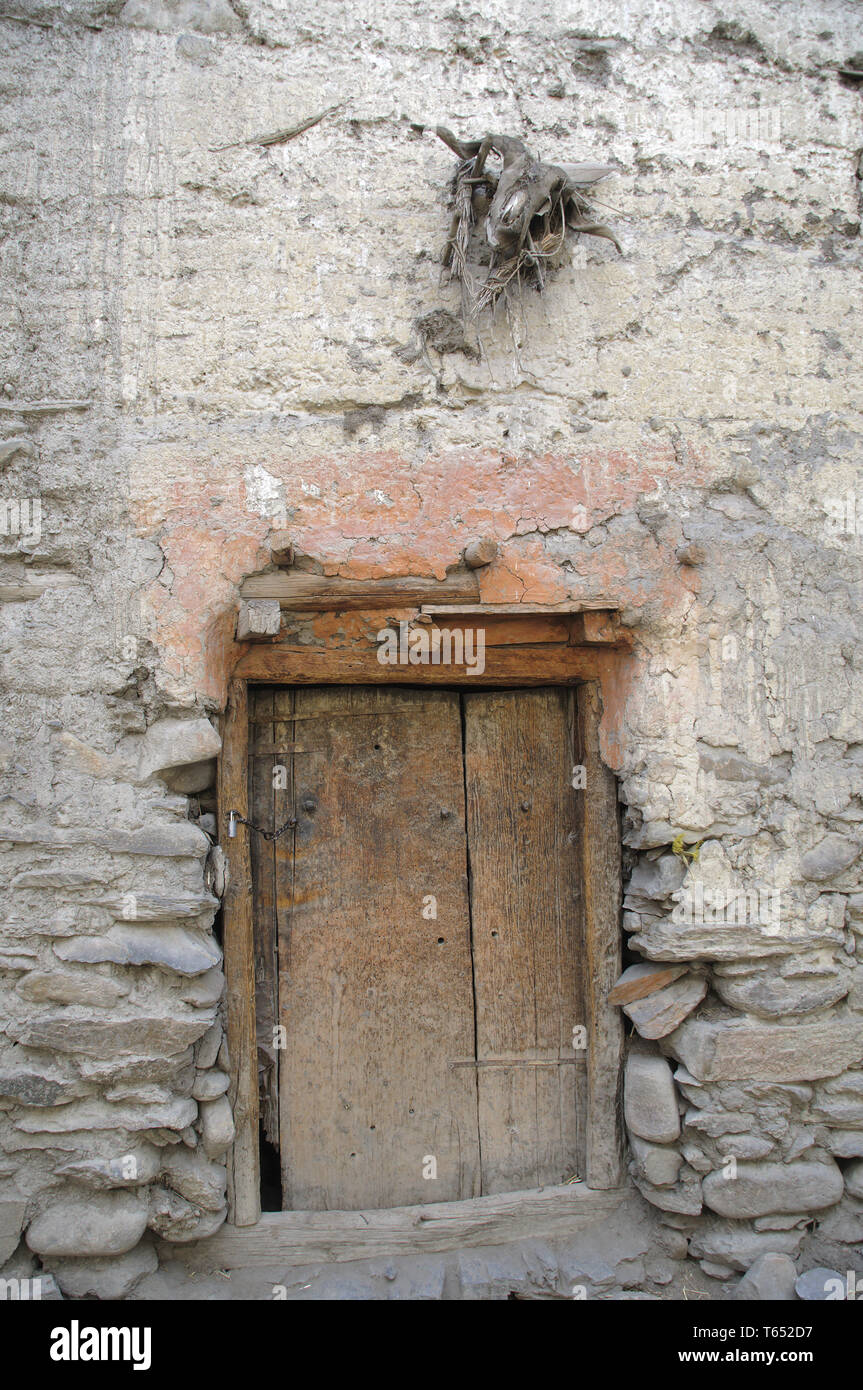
(542, 664)
(518, 1062)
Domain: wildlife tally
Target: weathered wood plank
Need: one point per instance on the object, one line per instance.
(505, 631)
(602, 904)
(375, 997)
(524, 863)
(308, 593)
(543, 664)
(243, 1182)
(310, 1237)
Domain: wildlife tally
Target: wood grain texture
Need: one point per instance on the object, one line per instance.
(309, 593)
(311, 1237)
(600, 839)
(376, 999)
(525, 904)
(244, 1206)
(546, 663)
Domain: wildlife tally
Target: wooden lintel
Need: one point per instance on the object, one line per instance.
(318, 1237)
(543, 664)
(315, 593)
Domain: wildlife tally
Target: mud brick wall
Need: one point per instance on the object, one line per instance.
(201, 345)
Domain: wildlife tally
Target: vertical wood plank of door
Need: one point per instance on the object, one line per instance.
(376, 998)
(525, 905)
(261, 810)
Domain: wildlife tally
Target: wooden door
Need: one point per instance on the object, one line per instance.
(417, 942)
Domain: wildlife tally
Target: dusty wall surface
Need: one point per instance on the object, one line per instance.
(201, 345)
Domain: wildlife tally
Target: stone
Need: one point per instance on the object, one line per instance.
(159, 907)
(192, 779)
(716, 1123)
(180, 840)
(35, 1088)
(171, 948)
(843, 1223)
(207, 1049)
(179, 1221)
(657, 1164)
(640, 980)
(854, 1179)
(196, 1178)
(696, 1159)
(170, 744)
(12, 1210)
(821, 1285)
(829, 857)
(654, 880)
(133, 1167)
(663, 1011)
(769, 996)
(88, 1224)
(204, 990)
(730, 766)
(17, 444)
(217, 1126)
(770, 1279)
(758, 1189)
(841, 1111)
(739, 1049)
(16, 958)
(60, 988)
(105, 1279)
(99, 1114)
(684, 1198)
(210, 1084)
(844, 1143)
(747, 1146)
(162, 1034)
(649, 1099)
(736, 1245)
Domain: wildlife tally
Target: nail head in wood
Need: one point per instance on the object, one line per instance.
(480, 553)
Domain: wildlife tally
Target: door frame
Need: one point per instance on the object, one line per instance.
(519, 660)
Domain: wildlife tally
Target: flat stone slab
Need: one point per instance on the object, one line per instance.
(740, 1050)
(650, 1099)
(758, 1189)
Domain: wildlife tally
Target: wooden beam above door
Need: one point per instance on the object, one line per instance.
(318, 593)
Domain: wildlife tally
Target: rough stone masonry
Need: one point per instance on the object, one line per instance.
(203, 345)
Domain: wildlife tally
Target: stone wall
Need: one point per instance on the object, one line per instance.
(203, 344)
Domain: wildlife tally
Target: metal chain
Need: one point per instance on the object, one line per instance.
(235, 817)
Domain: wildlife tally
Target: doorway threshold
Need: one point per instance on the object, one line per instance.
(325, 1237)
